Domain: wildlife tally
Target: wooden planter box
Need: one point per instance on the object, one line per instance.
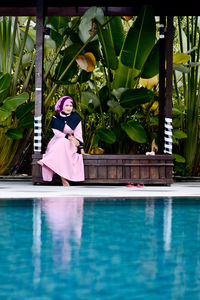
(121, 169)
(112, 169)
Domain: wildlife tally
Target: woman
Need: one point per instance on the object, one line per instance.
(61, 156)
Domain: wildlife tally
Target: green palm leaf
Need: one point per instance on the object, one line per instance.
(106, 135)
(105, 37)
(140, 39)
(133, 97)
(135, 131)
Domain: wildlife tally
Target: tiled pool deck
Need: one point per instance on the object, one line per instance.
(26, 189)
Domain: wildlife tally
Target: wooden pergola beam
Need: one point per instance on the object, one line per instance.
(66, 11)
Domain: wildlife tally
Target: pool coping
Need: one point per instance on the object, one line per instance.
(27, 190)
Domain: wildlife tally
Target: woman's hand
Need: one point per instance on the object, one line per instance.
(75, 141)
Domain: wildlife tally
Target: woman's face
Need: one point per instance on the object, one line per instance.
(68, 108)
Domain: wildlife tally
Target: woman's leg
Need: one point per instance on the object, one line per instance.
(64, 181)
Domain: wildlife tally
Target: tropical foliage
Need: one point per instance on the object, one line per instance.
(109, 65)
(187, 97)
(15, 103)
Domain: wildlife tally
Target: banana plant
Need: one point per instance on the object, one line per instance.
(125, 59)
(187, 93)
(132, 65)
(16, 119)
(8, 29)
(12, 124)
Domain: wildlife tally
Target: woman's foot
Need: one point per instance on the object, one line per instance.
(64, 182)
(39, 162)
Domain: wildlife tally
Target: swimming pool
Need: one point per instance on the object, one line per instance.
(79, 248)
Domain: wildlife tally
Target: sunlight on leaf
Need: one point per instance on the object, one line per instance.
(180, 58)
(149, 83)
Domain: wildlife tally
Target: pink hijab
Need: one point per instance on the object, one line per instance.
(62, 102)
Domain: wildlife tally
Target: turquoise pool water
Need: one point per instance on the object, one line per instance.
(89, 249)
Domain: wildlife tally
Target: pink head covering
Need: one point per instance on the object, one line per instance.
(62, 102)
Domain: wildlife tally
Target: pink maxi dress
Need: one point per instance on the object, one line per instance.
(61, 156)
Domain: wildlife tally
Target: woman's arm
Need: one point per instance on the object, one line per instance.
(78, 133)
(79, 137)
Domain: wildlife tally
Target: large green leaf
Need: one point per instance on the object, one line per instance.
(140, 39)
(106, 135)
(118, 35)
(115, 107)
(29, 46)
(4, 85)
(4, 81)
(69, 54)
(27, 122)
(11, 103)
(179, 158)
(133, 97)
(135, 131)
(27, 59)
(179, 134)
(121, 76)
(2, 94)
(106, 40)
(89, 101)
(86, 22)
(151, 66)
(4, 115)
(49, 44)
(14, 134)
(118, 92)
(95, 49)
(56, 36)
(25, 109)
(104, 97)
(58, 22)
(8, 27)
(84, 76)
(124, 77)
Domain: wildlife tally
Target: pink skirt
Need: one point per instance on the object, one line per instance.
(61, 157)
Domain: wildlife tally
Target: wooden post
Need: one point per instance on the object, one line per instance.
(162, 75)
(38, 85)
(169, 71)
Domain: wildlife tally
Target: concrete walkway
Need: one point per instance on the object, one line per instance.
(27, 190)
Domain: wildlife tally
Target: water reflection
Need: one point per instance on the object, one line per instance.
(37, 243)
(149, 209)
(167, 228)
(167, 218)
(64, 217)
